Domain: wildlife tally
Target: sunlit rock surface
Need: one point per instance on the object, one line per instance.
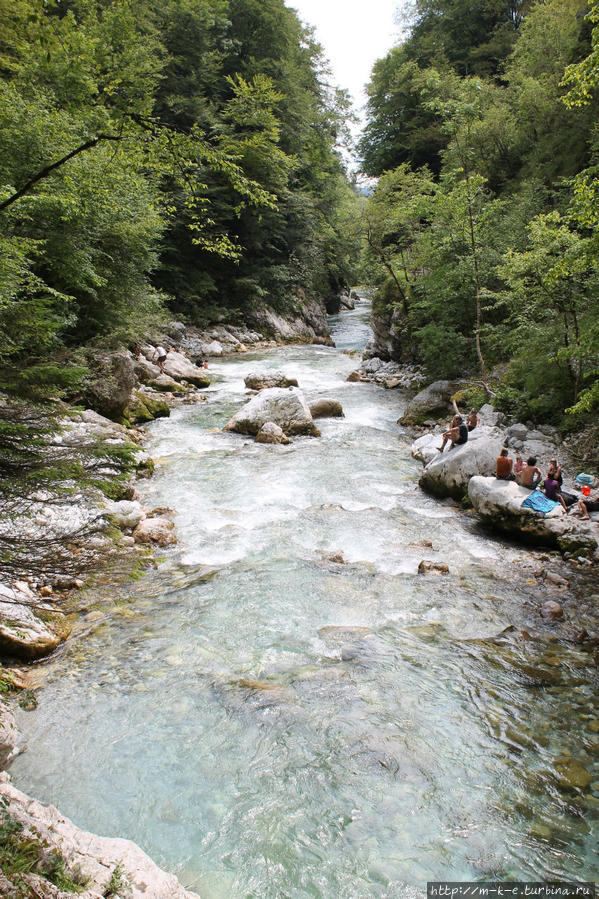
(286, 407)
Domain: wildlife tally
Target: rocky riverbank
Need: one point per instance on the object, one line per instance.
(90, 531)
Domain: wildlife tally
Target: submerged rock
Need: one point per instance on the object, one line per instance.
(265, 379)
(285, 407)
(326, 409)
(552, 610)
(426, 566)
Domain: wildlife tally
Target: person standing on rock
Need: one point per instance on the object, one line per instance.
(457, 433)
(160, 355)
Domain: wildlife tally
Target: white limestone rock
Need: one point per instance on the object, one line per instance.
(179, 367)
(94, 857)
(125, 513)
(285, 407)
(449, 472)
(499, 503)
(262, 380)
(9, 735)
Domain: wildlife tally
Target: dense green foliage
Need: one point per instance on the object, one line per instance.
(485, 236)
(156, 155)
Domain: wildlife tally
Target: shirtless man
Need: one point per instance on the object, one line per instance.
(530, 475)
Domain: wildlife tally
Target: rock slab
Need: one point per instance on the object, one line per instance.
(449, 473)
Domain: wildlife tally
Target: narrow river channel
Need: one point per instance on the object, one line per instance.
(267, 722)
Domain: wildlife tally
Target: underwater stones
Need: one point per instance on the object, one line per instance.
(552, 610)
(285, 407)
(426, 566)
(261, 380)
(344, 633)
(271, 433)
(22, 632)
(155, 530)
(571, 774)
(326, 409)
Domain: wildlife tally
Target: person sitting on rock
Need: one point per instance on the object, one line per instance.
(551, 487)
(472, 420)
(518, 466)
(530, 476)
(160, 355)
(555, 471)
(587, 505)
(457, 433)
(503, 467)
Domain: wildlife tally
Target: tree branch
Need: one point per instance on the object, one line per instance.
(43, 173)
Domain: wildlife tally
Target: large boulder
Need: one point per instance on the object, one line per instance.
(326, 409)
(145, 370)
(449, 472)
(286, 408)
(145, 406)
(432, 402)
(261, 380)
(110, 382)
(179, 367)
(389, 338)
(93, 858)
(23, 633)
(499, 503)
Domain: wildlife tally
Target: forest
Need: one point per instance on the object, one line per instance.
(481, 235)
(183, 159)
(159, 159)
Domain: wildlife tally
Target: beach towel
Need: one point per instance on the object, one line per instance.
(539, 502)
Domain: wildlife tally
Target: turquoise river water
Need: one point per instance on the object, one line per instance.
(266, 722)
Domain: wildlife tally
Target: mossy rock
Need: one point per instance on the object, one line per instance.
(143, 407)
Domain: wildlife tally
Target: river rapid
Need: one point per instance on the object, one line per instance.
(267, 720)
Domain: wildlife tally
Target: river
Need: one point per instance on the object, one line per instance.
(266, 721)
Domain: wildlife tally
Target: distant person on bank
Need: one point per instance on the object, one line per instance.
(503, 467)
(457, 433)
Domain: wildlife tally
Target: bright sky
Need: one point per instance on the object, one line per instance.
(353, 34)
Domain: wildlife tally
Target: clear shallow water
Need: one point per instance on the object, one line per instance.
(267, 722)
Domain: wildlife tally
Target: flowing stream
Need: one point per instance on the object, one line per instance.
(285, 707)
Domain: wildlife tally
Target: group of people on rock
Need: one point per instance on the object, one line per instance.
(529, 475)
